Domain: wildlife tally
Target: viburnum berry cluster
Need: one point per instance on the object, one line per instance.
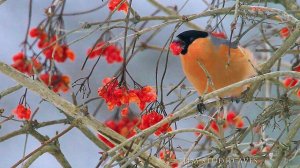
(57, 82)
(115, 94)
(111, 52)
(113, 4)
(125, 127)
(260, 150)
(52, 50)
(25, 65)
(169, 157)
(152, 118)
(232, 119)
(51, 47)
(22, 112)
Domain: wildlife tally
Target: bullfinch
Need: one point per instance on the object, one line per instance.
(210, 62)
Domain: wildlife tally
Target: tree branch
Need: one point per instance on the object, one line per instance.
(70, 109)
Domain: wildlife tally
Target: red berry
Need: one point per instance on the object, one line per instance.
(290, 82)
(200, 126)
(297, 68)
(214, 126)
(230, 117)
(112, 4)
(284, 32)
(239, 123)
(22, 112)
(254, 151)
(124, 112)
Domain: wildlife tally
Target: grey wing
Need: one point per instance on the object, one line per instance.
(219, 41)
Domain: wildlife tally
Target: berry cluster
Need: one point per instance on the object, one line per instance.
(56, 82)
(31, 66)
(51, 48)
(24, 65)
(264, 150)
(116, 95)
(258, 150)
(112, 4)
(125, 127)
(232, 119)
(22, 112)
(128, 127)
(152, 118)
(111, 52)
(169, 157)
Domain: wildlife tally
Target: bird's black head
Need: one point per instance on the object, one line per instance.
(184, 39)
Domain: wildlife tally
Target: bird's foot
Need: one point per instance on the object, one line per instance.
(244, 94)
(239, 98)
(201, 106)
(235, 99)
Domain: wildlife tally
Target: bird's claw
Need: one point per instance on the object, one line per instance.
(201, 106)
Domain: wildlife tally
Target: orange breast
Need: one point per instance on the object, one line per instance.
(202, 54)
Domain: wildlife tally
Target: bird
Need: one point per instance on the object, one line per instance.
(210, 61)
